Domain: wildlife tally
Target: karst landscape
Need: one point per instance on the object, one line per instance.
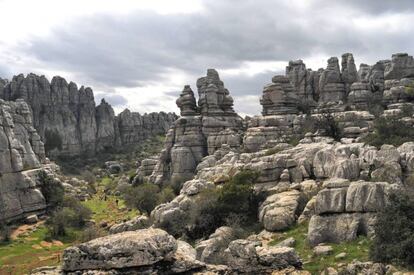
(321, 181)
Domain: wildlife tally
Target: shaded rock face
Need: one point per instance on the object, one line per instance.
(68, 121)
(279, 97)
(343, 213)
(332, 88)
(200, 131)
(21, 154)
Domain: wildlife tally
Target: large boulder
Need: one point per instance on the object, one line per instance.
(124, 250)
(139, 222)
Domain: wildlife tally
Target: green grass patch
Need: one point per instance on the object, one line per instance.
(357, 249)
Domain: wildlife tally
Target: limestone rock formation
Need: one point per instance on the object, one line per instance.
(200, 131)
(120, 251)
(139, 222)
(331, 85)
(401, 66)
(279, 97)
(349, 71)
(69, 123)
(343, 213)
(21, 154)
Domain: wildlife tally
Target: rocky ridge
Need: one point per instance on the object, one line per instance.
(21, 156)
(70, 123)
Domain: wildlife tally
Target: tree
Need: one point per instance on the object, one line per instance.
(394, 232)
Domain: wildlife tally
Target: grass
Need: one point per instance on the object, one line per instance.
(20, 256)
(357, 249)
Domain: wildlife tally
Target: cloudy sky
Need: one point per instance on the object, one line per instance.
(139, 54)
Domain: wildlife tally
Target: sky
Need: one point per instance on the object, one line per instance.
(138, 54)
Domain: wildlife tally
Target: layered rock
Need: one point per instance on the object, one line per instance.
(346, 210)
(279, 97)
(200, 131)
(21, 154)
(69, 123)
(331, 85)
(401, 66)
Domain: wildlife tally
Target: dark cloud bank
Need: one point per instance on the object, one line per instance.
(143, 47)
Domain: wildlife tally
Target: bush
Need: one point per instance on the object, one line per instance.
(5, 232)
(58, 223)
(53, 140)
(216, 207)
(143, 197)
(326, 122)
(389, 131)
(51, 189)
(394, 232)
(166, 195)
(89, 177)
(72, 214)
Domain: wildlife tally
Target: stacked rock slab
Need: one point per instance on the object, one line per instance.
(200, 130)
(332, 88)
(21, 154)
(68, 121)
(346, 210)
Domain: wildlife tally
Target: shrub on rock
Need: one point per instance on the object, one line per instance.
(394, 232)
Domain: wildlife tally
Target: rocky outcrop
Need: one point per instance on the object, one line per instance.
(331, 85)
(200, 131)
(145, 251)
(139, 222)
(346, 211)
(69, 123)
(21, 155)
(279, 97)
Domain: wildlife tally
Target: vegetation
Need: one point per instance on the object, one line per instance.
(327, 123)
(394, 238)
(72, 214)
(51, 189)
(53, 141)
(235, 200)
(357, 249)
(4, 233)
(389, 131)
(146, 197)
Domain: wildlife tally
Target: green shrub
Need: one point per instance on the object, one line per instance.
(51, 189)
(52, 140)
(394, 232)
(71, 214)
(5, 232)
(326, 122)
(143, 197)
(89, 177)
(215, 207)
(166, 195)
(60, 220)
(389, 131)
(176, 184)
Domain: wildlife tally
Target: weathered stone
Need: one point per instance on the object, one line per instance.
(279, 97)
(139, 222)
(123, 250)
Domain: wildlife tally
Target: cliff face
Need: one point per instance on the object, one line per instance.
(68, 121)
(21, 154)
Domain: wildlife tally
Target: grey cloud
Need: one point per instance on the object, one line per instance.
(142, 48)
(113, 99)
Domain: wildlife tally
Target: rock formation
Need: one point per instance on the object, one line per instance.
(69, 123)
(200, 131)
(21, 154)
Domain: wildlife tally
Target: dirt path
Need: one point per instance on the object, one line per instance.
(24, 228)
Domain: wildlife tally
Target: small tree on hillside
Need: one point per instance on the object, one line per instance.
(394, 232)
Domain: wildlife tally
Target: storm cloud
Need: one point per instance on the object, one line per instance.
(144, 48)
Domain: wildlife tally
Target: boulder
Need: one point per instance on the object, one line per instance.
(124, 250)
(139, 222)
